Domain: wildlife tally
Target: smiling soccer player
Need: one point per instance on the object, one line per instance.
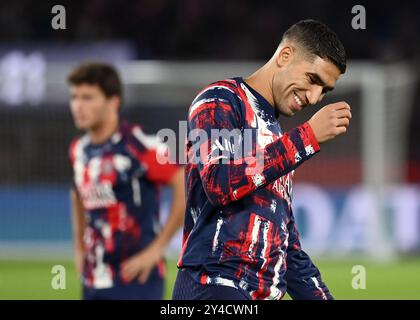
(240, 237)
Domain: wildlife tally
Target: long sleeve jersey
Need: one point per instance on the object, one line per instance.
(239, 190)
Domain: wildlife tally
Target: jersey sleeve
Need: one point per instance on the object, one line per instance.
(148, 149)
(226, 178)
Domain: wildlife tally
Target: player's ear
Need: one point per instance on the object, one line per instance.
(115, 102)
(284, 55)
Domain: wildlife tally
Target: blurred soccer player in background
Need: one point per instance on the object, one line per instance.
(240, 237)
(119, 246)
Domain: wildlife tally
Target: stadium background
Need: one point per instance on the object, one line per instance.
(357, 202)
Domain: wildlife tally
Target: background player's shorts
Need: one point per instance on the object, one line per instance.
(151, 290)
(186, 288)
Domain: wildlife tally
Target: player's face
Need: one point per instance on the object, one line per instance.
(301, 83)
(89, 106)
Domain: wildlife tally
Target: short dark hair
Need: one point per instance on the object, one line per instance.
(96, 73)
(318, 39)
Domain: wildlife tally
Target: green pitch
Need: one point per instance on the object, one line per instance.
(396, 280)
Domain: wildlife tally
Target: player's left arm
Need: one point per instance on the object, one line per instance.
(303, 278)
(141, 264)
(176, 214)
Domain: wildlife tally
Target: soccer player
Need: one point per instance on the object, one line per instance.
(240, 238)
(119, 245)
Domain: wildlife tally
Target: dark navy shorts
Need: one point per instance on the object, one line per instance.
(186, 288)
(151, 290)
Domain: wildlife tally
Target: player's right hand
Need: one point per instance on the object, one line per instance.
(330, 121)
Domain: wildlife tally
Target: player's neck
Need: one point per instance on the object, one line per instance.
(260, 81)
(103, 132)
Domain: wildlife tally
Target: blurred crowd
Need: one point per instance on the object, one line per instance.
(215, 29)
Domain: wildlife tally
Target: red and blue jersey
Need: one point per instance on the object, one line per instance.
(118, 182)
(239, 227)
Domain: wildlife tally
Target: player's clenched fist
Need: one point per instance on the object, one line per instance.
(330, 121)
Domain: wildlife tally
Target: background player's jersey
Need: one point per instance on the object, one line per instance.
(239, 225)
(118, 182)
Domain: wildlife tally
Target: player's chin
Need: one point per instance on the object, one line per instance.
(288, 112)
(82, 125)
(285, 111)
